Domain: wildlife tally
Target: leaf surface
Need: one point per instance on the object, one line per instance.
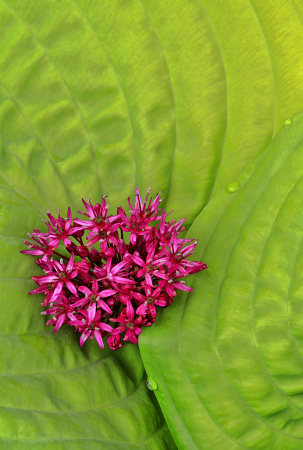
(96, 98)
(228, 357)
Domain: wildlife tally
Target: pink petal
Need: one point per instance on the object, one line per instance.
(118, 267)
(138, 261)
(117, 330)
(141, 309)
(148, 279)
(133, 238)
(131, 337)
(108, 264)
(92, 312)
(70, 263)
(59, 322)
(161, 303)
(138, 296)
(89, 209)
(84, 223)
(57, 290)
(84, 336)
(106, 293)
(67, 225)
(95, 286)
(74, 230)
(74, 273)
(152, 310)
(103, 305)
(66, 241)
(170, 290)
(157, 292)
(39, 290)
(80, 302)
(93, 240)
(182, 286)
(54, 243)
(123, 280)
(138, 330)
(106, 327)
(84, 290)
(32, 252)
(130, 311)
(45, 279)
(98, 338)
(71, 287)
(162, 223)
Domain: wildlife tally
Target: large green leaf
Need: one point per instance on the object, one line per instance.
(228, 358)
(95, 98)
(54, 394)
(65, 134)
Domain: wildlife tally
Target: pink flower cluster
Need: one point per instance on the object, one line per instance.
(115, 289)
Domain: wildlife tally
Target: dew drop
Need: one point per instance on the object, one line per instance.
(232, 187)
(151, 384)
(4, 218)
(249, 170)
(288, 122)
(56, 158)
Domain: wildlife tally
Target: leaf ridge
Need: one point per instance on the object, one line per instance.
(65, 83)
(118, 80)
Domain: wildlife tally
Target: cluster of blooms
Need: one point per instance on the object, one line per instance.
(113, 290)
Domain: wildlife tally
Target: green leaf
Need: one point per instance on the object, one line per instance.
(65, 134)
(96, 98)
(228, 357)
(52, 392)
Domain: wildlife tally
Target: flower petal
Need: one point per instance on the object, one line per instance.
(84, 336)
(60, 320)
(103, 305)
(98, 338)
(71, 287)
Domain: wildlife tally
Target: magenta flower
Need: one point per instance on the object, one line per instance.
(61, 310)
(59, 230)
(148, 266)
(62, 275)
(149, 300)
(109, 274)
(41, 248)
(91, 325)
(94, 295)
(128, 323)
(99, 224)
(108, 280)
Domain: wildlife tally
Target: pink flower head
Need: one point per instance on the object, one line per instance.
(110, 279)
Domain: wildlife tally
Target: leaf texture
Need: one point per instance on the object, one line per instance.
(228, 357)
(96, 98)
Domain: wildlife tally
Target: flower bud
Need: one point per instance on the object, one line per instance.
(121, 247)
(82, 251)
(78, 233)
(114, 342)
(94, 255)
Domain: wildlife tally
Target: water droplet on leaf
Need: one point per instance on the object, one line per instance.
(232, 187)
(287, 122)
(4, 218)
(249, 170)
(151, 384)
